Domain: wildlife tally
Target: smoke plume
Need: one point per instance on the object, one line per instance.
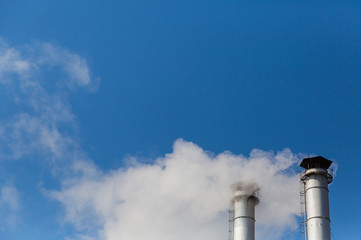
(246, 188)
(183, 195)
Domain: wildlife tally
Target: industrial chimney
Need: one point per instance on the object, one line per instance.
(244, 201)
(316, 179)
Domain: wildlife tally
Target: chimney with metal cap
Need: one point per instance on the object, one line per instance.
(316, 179)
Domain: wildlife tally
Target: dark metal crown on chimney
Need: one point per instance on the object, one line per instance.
(315, 162)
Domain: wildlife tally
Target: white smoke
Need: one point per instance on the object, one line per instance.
(184, 195)
(245, 188)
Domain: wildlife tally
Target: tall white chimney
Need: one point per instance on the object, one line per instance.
(316, 179)
(244, 201)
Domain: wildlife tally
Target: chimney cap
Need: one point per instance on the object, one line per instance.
(315, 162)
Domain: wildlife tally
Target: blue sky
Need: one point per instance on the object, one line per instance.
(97, 93)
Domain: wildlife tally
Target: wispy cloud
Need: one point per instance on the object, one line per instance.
(184, 195)
(30, 61)
(10, 197)
(9, 206)
(11, 61)
(38, 78)
(72, 64)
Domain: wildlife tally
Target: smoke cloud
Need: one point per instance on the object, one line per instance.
(183, 195)
(246, 188)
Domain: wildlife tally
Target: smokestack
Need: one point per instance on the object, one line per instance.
(316, 180)
(244, 201)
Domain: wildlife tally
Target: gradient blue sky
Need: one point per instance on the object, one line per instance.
(226, 75)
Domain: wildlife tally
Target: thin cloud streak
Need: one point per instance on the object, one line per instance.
(10, 205)
(40, 123)
(43, 110)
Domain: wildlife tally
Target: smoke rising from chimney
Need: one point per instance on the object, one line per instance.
(183, 195)
(247, 188)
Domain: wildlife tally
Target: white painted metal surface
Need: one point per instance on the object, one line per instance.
(244, 202)
(316, 182)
